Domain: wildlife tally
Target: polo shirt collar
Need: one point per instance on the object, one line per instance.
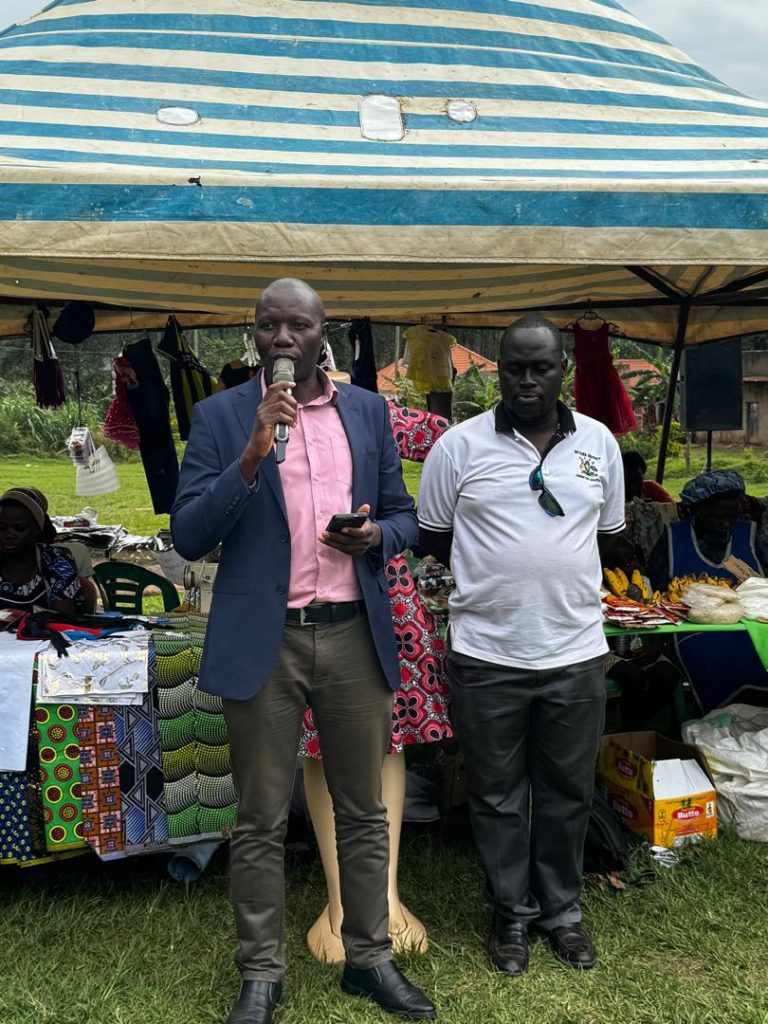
(566, 423)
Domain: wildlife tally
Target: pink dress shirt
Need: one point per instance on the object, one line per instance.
(317, 482)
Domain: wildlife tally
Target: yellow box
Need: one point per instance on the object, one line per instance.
(660, 788)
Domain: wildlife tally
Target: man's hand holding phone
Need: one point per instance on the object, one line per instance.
(342, 534)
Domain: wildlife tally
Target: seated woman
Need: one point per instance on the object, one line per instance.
(90, 592)
(635, 484)
(720, 666)
(33, 571)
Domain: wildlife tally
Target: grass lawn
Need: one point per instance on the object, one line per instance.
(131, 505)
(86, 943)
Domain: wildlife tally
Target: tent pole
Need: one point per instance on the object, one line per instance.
(669, 405)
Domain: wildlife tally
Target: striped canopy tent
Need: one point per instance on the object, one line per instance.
(410, 158)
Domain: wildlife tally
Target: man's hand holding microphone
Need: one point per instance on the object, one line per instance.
(276, 413)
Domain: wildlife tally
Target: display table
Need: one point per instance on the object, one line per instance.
(124, 780)
(758, 632)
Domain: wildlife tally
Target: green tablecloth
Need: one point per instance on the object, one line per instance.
(758, 632)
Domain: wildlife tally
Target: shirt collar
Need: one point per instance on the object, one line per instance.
(330, 392)
(566, 423)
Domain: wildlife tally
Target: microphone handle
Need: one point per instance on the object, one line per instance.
(281, 440)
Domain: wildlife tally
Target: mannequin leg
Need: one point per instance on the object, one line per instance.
(405, 930)
(324, 937)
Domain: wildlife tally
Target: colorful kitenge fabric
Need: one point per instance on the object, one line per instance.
(420, 713)
(141, 775)
(415, 431)
(199, 790)
(20, 841)
(61, 788)
(100, 776)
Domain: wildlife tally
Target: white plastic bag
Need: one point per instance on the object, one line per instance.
(734, 740)
(98, 477)
(712, 605)
(753, 594)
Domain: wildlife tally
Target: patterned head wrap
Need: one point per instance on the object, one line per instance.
(712, 485)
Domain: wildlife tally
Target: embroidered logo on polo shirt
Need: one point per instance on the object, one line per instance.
(588, 469)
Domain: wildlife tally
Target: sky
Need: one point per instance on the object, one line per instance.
(727, 37)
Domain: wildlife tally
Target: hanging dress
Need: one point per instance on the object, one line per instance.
(420, 713)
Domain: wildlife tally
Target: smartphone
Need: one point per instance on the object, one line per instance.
(342, 519)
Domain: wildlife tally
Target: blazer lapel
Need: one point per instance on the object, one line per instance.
(354, 425)
(249, 399)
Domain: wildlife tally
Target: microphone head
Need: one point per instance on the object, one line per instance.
(283, 369)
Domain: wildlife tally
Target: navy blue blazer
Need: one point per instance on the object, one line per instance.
(214, 505)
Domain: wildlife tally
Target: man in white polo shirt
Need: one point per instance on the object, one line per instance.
(516, 500)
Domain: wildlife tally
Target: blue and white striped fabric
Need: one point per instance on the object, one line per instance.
(596, 145)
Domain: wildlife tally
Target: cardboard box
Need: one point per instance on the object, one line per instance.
(660, 788)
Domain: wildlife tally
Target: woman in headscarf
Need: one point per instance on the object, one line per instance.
(34, 572)
(718, 665)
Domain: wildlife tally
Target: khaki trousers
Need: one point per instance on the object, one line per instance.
(335, 669)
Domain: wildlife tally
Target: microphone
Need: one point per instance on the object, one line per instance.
(282, 370)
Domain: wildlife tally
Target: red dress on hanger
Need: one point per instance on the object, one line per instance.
(598, 390)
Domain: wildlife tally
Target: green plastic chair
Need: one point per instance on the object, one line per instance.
(122, 587)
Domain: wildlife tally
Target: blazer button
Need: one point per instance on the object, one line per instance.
(279, 590)
(284, 538)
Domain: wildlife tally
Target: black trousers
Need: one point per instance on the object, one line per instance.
(530, 741)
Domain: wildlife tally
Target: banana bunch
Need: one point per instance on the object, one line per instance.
(621, 585)
(677, 586)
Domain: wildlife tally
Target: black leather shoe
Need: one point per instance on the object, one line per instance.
(572, 945)
(388, 987)
(255, 1003)
(508, 946)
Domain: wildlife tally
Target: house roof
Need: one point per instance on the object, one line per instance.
(461, 357)
(630, 369)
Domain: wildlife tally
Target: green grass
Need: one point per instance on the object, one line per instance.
(131, 506)
(86, 943)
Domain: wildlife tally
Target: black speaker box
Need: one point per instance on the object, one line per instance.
(711, 386)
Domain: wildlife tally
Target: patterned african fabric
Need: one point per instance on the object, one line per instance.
(141, 776)
(199, 791)
(415, 431)
(61, 789)
(100, 778)
(420, 713)
(20, 841)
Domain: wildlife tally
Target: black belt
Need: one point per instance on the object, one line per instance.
(322, 614)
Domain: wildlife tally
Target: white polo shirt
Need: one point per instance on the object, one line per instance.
(527, 584)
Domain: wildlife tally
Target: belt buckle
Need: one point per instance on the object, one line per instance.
(303, 617)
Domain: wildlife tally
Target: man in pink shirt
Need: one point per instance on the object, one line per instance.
(301, 616)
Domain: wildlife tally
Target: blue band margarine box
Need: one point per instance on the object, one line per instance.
(659, 787)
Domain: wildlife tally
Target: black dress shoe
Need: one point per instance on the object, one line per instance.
(572, 945)
(508, 946)
(388, 987)
(255, 1003)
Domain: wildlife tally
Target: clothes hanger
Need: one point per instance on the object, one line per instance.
(590, 314)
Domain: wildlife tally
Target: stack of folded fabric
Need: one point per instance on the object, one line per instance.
(109, 671)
